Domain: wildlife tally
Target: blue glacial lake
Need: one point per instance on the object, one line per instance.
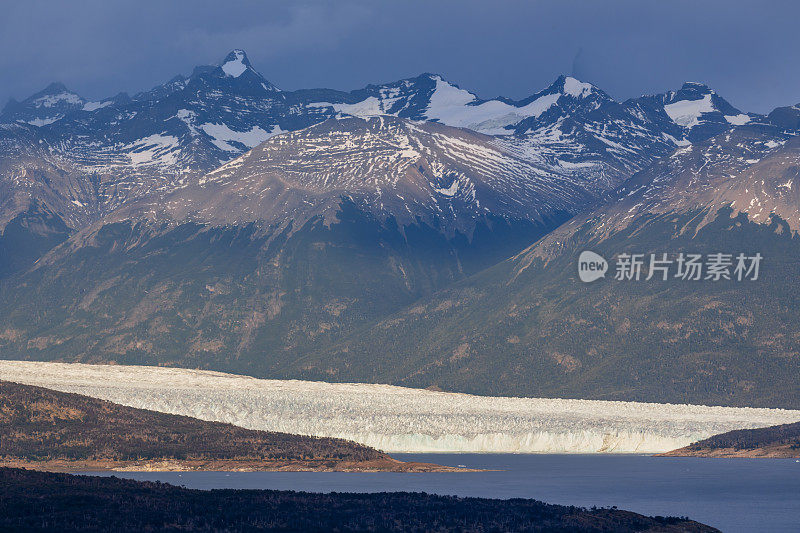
(734, 495)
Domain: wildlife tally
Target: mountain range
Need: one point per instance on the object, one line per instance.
(409, 232)
(85, 159)
(530, 326)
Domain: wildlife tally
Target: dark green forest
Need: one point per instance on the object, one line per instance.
(37, 501)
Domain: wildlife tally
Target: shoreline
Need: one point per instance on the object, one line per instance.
(777, 452)
(199, 465)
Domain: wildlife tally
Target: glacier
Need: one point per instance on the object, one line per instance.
(398, 419)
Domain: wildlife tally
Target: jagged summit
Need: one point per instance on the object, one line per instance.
(53, 95)
(566, 96)
(234, 73)
(45, 107)
(54, 88)
(431, 97)
(696, 103)
(235, 63)
(692, 90)
(571, 86)
(693, 113)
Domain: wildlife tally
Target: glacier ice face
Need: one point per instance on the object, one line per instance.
(397, 419)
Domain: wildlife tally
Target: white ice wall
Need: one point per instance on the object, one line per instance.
(397, 419)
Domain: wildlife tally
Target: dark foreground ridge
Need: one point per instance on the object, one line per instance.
(781, 441)
(32, 500)
(51, 430)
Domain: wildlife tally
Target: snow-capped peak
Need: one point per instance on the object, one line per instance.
(569, 86)
(54, 95)
(693, 104)
(43, 108)
(690, 90)
(456, 107)
(235, 64)
(577, 88)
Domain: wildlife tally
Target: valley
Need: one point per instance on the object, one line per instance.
(409, 233)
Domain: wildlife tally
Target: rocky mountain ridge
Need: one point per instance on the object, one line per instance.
(85, 159)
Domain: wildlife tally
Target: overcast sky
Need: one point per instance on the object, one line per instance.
(748, 51)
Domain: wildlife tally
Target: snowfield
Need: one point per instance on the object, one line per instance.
(456, 107)
(397, 419)
(687, 113)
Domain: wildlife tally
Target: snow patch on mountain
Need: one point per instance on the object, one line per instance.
(156, 148)
(459, 108)
(221, 135)
(52, 100)
(94, 106)
(583, 164)
(188, 117)
(397, 419)
(773, 143)
(39, 122)
(738, 120)
(371, 107)
(577, 88)
(687, 113)
(450, 191)
(456, 107)
(236, 66)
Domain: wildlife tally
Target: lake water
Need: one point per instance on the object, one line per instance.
(734, 495)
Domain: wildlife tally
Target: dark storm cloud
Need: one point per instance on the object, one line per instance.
(747, 50)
